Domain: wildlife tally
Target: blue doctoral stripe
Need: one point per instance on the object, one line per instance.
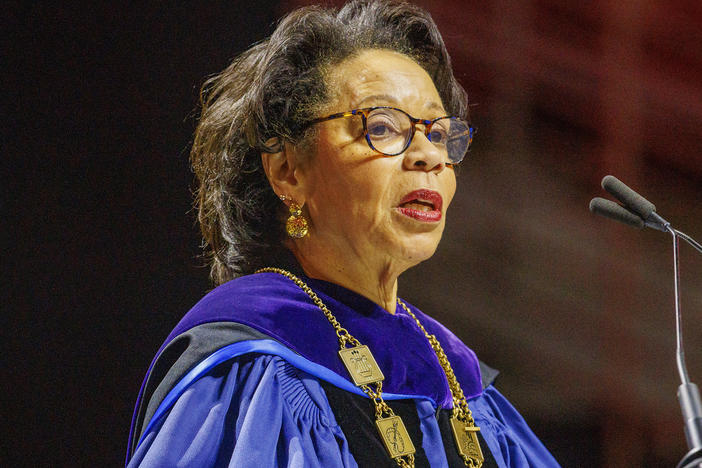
(263, 347)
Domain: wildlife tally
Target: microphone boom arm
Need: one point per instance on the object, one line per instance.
(689, 240)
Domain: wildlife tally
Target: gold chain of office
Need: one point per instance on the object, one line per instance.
(367, 375)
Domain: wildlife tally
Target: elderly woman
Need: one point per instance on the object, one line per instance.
(325, 157)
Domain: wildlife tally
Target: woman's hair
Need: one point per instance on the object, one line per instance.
(267, 94)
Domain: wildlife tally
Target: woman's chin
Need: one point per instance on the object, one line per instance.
(419, 248)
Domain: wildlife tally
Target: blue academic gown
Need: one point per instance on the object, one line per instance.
(246, 380)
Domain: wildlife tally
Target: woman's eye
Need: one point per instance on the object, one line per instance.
(382, 128)
(438, 135)
(378, 129)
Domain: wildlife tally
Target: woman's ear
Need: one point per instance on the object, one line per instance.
(281, 168)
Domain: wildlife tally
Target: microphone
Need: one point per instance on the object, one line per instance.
(616, 212)
(634, 205)
(631, 199)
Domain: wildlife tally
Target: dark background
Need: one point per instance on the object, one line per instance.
(101, 246)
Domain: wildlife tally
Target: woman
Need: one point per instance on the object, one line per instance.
(318, 188)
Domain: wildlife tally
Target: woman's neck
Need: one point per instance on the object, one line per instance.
(377, 282)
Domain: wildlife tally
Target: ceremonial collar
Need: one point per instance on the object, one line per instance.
(275, 306)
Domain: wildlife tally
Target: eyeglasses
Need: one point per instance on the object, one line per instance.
(389, 131)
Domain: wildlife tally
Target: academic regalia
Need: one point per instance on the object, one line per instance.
(251, 376)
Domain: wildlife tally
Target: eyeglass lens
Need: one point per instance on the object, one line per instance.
(390, 132)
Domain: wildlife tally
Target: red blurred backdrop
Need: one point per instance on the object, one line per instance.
(576, 311)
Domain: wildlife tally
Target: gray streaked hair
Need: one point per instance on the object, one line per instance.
(271, 91)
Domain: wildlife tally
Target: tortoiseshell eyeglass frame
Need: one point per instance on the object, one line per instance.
(364, 112)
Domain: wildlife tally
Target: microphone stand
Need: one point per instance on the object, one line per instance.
(688, 392)
(639, 212)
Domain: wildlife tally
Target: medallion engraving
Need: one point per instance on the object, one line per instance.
(361, 365)
(467, 439)
(395, 437)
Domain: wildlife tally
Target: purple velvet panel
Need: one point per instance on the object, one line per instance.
(274, 305)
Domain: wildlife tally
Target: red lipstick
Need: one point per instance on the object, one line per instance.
(422, 205)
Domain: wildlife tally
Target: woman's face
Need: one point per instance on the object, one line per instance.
(360, 202)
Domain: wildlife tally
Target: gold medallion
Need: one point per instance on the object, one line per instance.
(361, 365)
(395, 437)
(467, 439)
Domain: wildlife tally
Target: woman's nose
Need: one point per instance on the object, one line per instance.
(422, 154)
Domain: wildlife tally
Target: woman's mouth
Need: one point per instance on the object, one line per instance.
(422, 205)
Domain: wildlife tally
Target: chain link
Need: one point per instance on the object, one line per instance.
(409, 463)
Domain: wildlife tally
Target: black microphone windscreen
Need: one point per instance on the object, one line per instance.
(628, 197)
(617, 212)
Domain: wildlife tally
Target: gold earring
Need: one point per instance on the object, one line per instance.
(296, 225)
